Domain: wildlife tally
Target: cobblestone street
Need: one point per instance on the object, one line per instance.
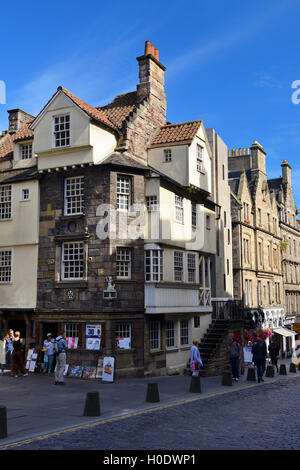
(260, 418)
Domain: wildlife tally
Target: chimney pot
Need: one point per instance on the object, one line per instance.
(156, 54)
(147, 47)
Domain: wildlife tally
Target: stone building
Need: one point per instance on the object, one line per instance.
(19, 205)
(290, 247)
(124, 227)
(257, 271)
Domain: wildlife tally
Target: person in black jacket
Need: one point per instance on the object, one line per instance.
(259, 351)
(274, 352)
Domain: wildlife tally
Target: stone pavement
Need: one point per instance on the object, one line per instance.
(35, 406)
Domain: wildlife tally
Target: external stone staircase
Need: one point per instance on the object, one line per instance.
(213, 349)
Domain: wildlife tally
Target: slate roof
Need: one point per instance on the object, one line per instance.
(275, 183)
(11, 176)
(124, 159)
(176, 134)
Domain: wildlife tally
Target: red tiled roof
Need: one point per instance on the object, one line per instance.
(176, 134)
(94, 113)
(120, 108)
(7, 142)
(6, 145)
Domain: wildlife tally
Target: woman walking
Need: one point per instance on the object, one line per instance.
(195, 358)
(2, 354)
(17, 355)
(274, 353)
(9, 348)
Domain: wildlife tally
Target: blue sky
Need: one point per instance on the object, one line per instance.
(230, 63)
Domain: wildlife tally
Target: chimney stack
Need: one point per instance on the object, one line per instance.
(17, 118)
(286, 172)
(258, 156)
(152, 81)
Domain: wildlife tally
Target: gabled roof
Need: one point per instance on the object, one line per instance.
(176, 134)
(120, 108)
(275, 183)
(7, 142)
(6, 145)
(91, 111)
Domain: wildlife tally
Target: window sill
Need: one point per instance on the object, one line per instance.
(71, 216)
(185, 348)
(124, 351)
(172, 350)
(70, 284)
(156, 352)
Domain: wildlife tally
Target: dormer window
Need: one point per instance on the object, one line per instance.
(61, 131)
(168, 155)
(199, 158)
(26, 151)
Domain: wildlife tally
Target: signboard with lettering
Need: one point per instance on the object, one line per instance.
(93, 337)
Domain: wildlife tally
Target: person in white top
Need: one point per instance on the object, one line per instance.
(48, 353)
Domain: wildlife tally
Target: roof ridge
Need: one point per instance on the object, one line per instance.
(182, 123)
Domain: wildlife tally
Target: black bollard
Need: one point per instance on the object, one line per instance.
(293, 368)
(270, 371)
(152, 393)
(226, 378)
(298, 366)
(251, 374)
(282, 370)
(92, 404)
(195, 386)
(3, 422)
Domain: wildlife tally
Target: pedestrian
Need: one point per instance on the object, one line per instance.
(9, 349)
(2, 354)
(235, 352)
(259, 351)
(61, 359)
(195, 358)
(48, 353)
(17, 355)
(274, 353)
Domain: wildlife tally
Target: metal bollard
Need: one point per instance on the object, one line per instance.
(195, 386)
(251, 374)
(152, 393)
(3, 422)
(292, 368)
(270, 371)
(227, 378)
(92, 404)
(282, 370)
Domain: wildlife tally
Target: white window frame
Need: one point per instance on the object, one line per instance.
(152, 203)
(123, 330)
(194, 214)
(151, 275)
(22, 198)
(123, 262)
(66, 129)
(76, 200)
(155, 335)
(167, 155)
(6, 202)
(72, 328)
(171, 338)
(191, 267)
(184, 329)
(64, 262)
(26, 151)
(124, 190)
(6, 265)
(179, 205)
(200, 152)
(178, 265)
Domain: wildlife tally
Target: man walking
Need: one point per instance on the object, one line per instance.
(235, 352)
(61, 359)
(259, 351)
(274, 353)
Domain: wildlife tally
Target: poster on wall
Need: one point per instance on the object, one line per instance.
(124, 343)
(93, 337)
(108, 369)
(72, 343)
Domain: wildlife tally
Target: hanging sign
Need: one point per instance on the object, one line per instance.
(93, 337)
(108, 369)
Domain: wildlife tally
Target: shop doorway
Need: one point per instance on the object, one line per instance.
(18, 325)
(48, 328)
